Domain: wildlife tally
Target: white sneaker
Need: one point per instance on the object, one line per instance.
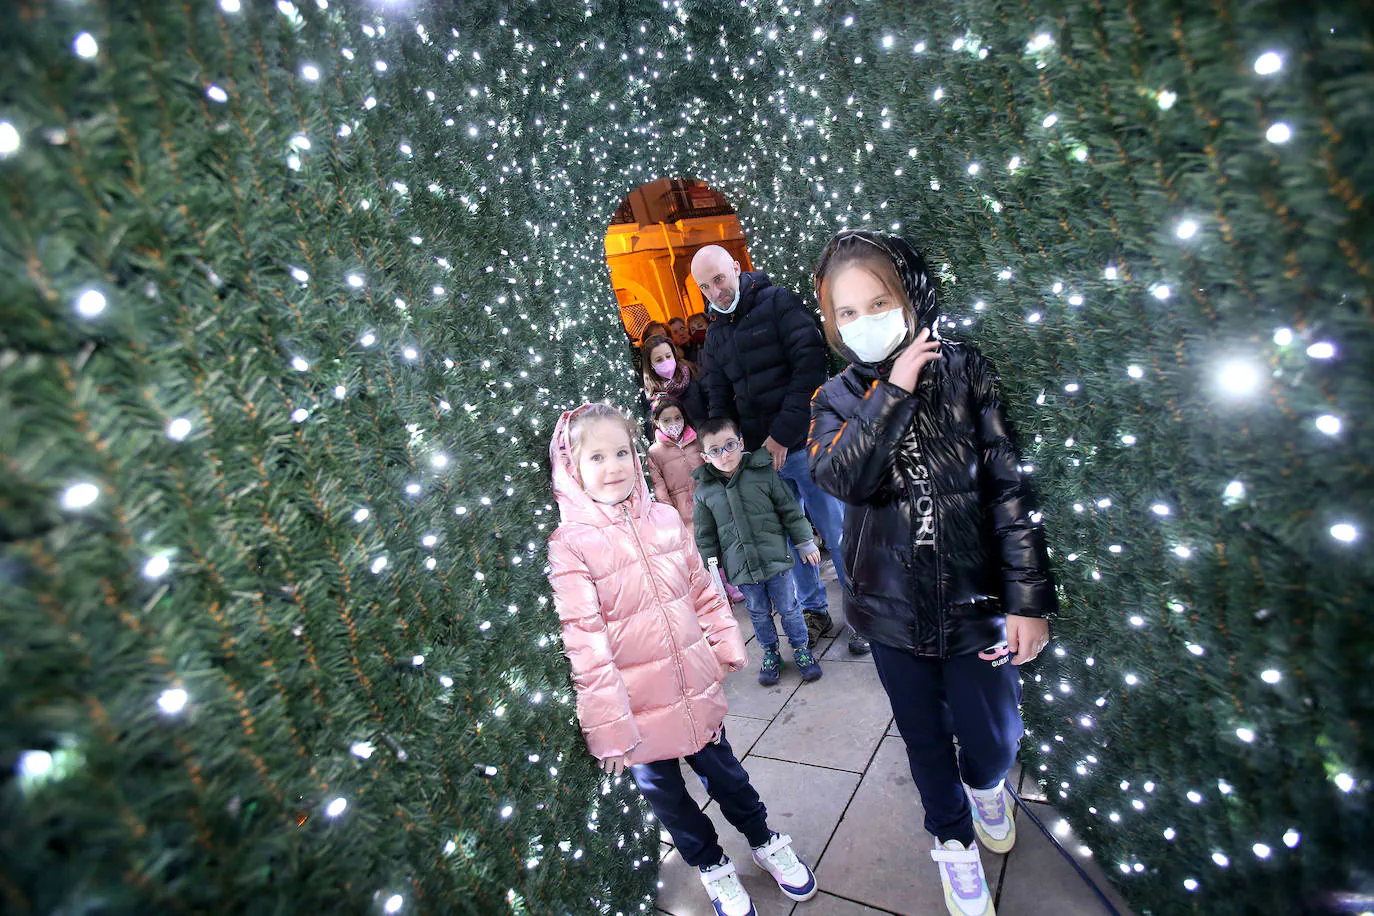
(777, 858)
(728, 896)
(961, 873)
(992, 817)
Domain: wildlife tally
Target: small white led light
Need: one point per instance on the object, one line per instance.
(172, 701)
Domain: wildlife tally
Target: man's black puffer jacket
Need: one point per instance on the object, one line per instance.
(762, 363)
(939, 545)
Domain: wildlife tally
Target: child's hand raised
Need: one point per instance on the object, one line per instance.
(614, 766)
(813, 557)
(907, 369)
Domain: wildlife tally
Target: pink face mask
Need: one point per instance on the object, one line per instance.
(666, 368)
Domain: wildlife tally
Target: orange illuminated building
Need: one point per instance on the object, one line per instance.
(650, 243)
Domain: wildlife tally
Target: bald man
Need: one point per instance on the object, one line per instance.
(763, 358)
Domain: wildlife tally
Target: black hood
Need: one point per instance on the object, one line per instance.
(918, 283)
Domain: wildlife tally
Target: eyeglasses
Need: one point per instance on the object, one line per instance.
(729, 448)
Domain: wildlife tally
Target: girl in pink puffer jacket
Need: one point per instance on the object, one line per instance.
(650, 642)
(673, 456)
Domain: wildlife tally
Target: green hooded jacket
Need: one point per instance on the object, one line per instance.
(744, 520)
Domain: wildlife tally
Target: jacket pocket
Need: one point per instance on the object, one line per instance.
(852, 548)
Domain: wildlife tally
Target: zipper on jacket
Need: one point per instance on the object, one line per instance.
(668, 624)
(859, 542)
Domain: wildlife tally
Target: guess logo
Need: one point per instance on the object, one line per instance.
(998, 654)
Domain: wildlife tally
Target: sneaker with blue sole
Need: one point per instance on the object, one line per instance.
(727, 894)
(795, 879)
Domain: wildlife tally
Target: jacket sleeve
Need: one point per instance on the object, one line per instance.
(657, 481)
(850, 457)
(1027, 585)
(802, 341)
(603, 702)
(789, 511)
(713, 613)
(704, 528)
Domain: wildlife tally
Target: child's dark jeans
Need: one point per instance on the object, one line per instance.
(725, 780)
(776, 594)
(972, 696)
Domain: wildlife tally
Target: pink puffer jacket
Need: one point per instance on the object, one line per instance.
(670, 471)
(649, 639)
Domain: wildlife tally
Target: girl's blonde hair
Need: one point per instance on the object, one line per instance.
(601, 411)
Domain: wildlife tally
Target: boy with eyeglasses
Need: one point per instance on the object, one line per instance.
(743, 513)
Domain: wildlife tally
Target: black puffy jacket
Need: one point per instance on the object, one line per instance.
(939, 545)
(763, 361)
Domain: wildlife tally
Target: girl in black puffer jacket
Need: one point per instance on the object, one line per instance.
(947, 574)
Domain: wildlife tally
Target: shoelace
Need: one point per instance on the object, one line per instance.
(729, 887)
(989, 809)
(785, 858)
(964, 877)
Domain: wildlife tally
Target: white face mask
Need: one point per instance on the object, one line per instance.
(673, 430)
(733, 303)
(872, 338)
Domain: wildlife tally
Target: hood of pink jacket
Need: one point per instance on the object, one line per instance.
(575, 505)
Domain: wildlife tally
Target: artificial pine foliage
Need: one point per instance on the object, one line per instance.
(294, 294)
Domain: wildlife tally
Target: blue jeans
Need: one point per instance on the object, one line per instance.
(827, 514)
(775, 594)
(935, 699)
(725, 780)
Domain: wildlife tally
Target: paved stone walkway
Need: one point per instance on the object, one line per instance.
(826, 759)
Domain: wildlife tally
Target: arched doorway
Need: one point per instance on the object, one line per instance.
(649, 246)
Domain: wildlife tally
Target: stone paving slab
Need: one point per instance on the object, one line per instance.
(834, 722)
(746, 698)
(824, 904)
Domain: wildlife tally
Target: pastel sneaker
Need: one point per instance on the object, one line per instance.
(961, 874)
(728, 896)
(771, 667)
(776, 857)
(810, 668)
(993, 819)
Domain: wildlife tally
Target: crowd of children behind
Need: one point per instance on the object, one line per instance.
(643, 585)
